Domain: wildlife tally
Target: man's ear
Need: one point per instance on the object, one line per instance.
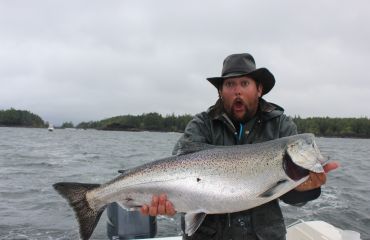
(260, 90)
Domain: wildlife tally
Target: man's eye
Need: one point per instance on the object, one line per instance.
(229, 84)
(245, 83)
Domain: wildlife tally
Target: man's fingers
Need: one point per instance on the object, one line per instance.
(317, 179)
(162, 204)
(153, 209)
(170, 210)
(155, 200)
(159, 206)
(162, 199)
(331, 166)
(144, 209)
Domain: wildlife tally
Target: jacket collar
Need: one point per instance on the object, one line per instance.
(265, 112)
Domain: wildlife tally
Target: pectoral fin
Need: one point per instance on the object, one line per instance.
(193, 221)
(274, 189)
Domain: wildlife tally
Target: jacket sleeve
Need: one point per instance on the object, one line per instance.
(297, 198)
(293, 197)
(196, 130)
(287, 127)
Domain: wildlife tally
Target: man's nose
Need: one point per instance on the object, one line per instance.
(237, 89)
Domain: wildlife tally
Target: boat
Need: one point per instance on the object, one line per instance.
(319, 230)
(124, 224)
(51, 128)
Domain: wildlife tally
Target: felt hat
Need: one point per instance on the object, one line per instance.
(243, 64)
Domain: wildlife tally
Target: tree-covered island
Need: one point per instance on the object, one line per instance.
(144, 122)
(20, 118)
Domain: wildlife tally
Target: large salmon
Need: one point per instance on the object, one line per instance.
(213, 180)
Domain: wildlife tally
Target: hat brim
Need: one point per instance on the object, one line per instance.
(262, 75)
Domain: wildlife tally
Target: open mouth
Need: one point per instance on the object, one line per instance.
(238, 104)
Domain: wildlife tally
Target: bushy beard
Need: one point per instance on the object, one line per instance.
(248, 115)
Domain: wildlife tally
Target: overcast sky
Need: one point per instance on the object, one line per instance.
(90, 60)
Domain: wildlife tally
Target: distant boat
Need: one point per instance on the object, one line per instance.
(51, 128)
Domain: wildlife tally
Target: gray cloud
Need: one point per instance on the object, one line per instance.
(88, 60)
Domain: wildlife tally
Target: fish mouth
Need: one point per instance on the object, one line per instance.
(291, 169)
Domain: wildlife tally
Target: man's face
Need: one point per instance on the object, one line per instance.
(240, 97)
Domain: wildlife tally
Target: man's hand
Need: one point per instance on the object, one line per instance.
(159, 206)
(315, 180)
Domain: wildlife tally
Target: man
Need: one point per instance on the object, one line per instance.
(242, 116)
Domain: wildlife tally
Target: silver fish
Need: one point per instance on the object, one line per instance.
(217, 179)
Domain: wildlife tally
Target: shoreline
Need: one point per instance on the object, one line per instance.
(164, 131)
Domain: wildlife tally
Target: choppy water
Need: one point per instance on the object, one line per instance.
(31, 160)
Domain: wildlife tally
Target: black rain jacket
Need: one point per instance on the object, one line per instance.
(214, 127)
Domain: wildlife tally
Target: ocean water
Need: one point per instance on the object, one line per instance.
(31, 160)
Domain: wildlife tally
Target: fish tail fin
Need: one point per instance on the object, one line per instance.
(75, 193)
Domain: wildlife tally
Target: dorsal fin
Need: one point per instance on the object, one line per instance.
(191, 147)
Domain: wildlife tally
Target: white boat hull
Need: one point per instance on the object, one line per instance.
(319, 230)
(311, 230)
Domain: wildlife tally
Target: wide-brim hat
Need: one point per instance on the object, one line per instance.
(243, 64)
